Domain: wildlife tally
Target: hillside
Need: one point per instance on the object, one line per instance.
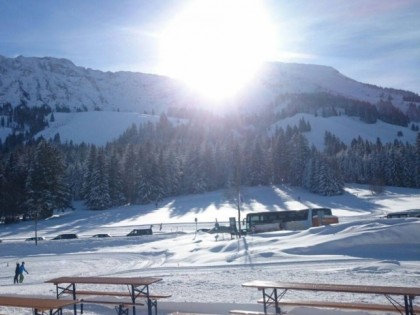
(101, 127)
(279, 91)
(61, 84)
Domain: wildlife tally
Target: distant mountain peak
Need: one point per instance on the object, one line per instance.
(59, 83)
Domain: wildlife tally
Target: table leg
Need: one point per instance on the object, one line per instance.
(408, 304)
(264, 301)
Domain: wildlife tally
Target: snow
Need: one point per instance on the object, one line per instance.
(93, 127)
(204, 274)
(348, 128)
(101, 127)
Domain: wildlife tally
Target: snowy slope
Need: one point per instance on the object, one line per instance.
(121, 96)
(348, 128)
(93, 127)
(52, 81)
(204, 274)
(58, 82)
(101, 127)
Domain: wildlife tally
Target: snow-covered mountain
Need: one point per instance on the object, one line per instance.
(122, 98)
(59, 83)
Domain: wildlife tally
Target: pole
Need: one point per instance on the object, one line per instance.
(239, 214)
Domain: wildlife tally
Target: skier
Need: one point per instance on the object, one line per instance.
(17, 271)
(21, 270)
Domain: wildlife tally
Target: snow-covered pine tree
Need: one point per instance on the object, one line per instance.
(45, 185)
(98, 197)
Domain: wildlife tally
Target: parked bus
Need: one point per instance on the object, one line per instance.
(413, 213)
(288, 220)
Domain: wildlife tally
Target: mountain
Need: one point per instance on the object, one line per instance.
(62, 85)
(281, 93)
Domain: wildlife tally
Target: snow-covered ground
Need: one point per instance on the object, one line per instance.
(101, 127)
(204, 273)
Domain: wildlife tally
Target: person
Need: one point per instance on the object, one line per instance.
(17, 271)
(21, 270)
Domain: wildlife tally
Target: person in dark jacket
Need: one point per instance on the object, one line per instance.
(17, 271)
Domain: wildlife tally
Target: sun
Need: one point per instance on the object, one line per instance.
(217, 46)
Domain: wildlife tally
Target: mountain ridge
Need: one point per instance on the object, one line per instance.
(59, 83)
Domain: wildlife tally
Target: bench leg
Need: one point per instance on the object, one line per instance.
(121, 310)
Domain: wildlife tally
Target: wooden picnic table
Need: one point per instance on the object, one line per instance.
(138, 287)
(37, 304)
(274, 291)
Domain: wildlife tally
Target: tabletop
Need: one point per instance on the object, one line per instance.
(137, 281)
(34, 302)
(411, 291)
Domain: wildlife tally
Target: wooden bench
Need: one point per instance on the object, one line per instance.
(118, 293)
(98, 293)
(343, 305)
(245, 312)
(39, 305)
(273, 292)
(121, 305)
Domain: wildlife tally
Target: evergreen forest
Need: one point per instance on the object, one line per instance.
(150, 162)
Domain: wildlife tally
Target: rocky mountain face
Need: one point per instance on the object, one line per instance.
(64, 86)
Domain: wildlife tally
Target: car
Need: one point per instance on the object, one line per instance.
(39, 238)
(139, 232)
(65, 236)
(101, 235)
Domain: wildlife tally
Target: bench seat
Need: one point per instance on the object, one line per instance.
(117, 293)
(245, 312)
(104, 293)
(342, 305)
(112, 302)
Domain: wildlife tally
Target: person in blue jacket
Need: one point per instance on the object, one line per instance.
(21, 270)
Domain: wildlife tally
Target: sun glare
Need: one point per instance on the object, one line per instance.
(216, 46)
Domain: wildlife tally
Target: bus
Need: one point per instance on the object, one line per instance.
(412, 213)
(288, 220)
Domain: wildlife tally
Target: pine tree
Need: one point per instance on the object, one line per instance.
(115, 181)
(98, 197)
(150, 187)
(45, 187)
(299, 155)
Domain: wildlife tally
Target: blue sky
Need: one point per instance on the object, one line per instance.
(372, 41)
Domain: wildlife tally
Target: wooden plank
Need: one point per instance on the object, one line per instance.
(41, 304)
(342, 305)
(136, 281)
(104, 293)
(245, 312)
(115, 293)
(412, 291)
(113, 302)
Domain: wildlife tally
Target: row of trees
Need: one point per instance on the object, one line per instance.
(150, 162)
(328, 105)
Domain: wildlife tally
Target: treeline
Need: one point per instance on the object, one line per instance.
(152, 161)
(327, 105)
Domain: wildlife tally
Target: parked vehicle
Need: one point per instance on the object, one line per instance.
(412, 213)
(101, 235)
(39, 238)
(288, 220)
(65, 236)
(139, 232)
